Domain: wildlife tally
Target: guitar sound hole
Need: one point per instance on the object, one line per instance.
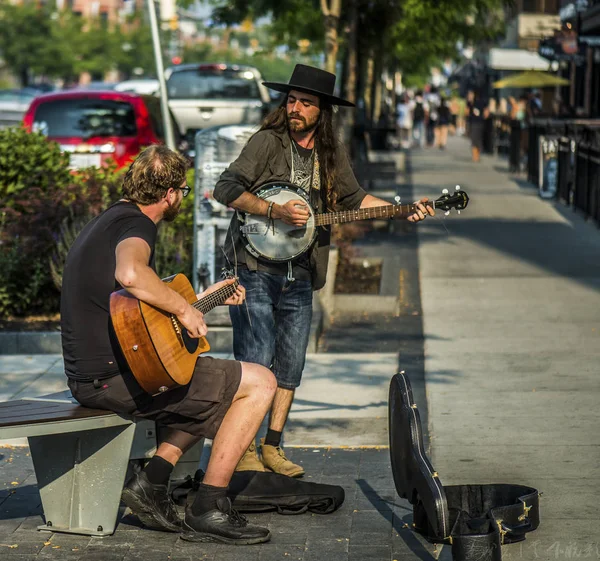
(190, 344)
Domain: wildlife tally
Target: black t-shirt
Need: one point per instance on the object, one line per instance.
(88, 280)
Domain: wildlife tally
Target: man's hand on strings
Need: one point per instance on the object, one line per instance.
(234, 300)
(294, 213)
(422, 210)
(193, 320)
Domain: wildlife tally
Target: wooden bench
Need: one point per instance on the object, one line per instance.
(80, 457)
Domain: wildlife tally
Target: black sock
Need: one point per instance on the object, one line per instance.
(158, 470)
(273, 438)
(206, 498)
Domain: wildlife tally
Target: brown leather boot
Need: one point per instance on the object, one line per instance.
(274, 459)
(250, 461)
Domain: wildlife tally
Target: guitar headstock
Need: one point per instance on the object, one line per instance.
(458, 200)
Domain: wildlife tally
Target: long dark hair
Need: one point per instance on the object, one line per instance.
(325, 143)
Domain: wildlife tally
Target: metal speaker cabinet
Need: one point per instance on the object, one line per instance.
(476, 520)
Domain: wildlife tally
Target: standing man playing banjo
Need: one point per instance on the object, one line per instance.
(296, 144)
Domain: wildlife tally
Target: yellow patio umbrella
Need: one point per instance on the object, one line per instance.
(531, 79)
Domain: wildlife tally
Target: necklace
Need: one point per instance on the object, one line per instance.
(302, 168)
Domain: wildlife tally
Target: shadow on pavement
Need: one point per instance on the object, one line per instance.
(401, 522)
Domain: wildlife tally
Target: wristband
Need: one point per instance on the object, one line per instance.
(270, 210)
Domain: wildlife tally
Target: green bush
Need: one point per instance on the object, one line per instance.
(44, 206)
(28, 160)
(39, 197)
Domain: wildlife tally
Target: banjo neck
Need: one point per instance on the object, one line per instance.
(387, 211)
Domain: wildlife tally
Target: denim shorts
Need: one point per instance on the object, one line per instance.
(273, 325)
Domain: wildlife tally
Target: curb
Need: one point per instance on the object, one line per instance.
(48, 342)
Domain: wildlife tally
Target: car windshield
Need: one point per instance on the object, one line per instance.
(212, 84)
(85, 118)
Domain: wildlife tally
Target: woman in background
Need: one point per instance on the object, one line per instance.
(478, 113)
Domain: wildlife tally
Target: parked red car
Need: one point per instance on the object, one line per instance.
(94, 126)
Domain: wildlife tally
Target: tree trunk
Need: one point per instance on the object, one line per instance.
(331, 10)
(351, 81)
(351, 71)
(24, 76)
(369, 84)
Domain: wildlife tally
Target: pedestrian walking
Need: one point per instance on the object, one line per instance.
(478, 113)
(404, 121)
(419, 115)
(444, 120)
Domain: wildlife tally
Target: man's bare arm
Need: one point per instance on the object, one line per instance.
(293, 212)
(135, 275)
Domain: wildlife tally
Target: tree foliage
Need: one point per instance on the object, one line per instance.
(34, 40)
(291, 20)
(428, 31)
(410, 34)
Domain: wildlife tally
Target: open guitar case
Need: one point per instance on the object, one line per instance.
(476, 520)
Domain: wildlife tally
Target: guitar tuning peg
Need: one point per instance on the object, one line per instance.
(397, 199)
(444, 191)
(457, 188)
(447, 212)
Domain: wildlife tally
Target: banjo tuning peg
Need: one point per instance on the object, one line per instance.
(444, 191)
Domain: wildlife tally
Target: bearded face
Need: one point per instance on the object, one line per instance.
(172, 210)
(302, 111)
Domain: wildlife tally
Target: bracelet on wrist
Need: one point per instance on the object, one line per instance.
(270, 210)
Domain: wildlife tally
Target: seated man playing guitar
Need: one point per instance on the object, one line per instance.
(296, 143)
(225, 399)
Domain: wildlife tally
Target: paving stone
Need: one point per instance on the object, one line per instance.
(275, 552)
(306, 536)
(369, 552)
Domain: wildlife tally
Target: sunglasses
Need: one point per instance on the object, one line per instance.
(186, 190)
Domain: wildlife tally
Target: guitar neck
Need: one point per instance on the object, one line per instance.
(387, 211)
(215, 298)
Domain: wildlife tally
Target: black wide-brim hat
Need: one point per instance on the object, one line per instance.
(313, 81)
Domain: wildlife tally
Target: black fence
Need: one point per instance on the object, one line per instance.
(560, 156)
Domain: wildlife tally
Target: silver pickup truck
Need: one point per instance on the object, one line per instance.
(210, 95)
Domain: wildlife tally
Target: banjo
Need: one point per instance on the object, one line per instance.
(274, 240)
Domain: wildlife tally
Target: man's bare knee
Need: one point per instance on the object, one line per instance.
(256, 381)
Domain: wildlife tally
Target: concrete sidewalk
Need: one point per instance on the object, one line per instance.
(341, 402)
(511, 308)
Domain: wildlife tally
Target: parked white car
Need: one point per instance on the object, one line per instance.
(144, 86)
(210, 95)
(13, 105)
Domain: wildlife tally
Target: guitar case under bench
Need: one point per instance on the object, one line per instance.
(476, 520)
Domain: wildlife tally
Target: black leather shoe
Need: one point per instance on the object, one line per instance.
(151, 503)
(223, 525)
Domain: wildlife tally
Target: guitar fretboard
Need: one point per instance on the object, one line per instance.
(387, 211)
(216, 298)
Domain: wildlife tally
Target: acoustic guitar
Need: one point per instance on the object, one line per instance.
(158, 349)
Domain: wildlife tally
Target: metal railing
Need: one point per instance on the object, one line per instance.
(573, 144)
(215, 149)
